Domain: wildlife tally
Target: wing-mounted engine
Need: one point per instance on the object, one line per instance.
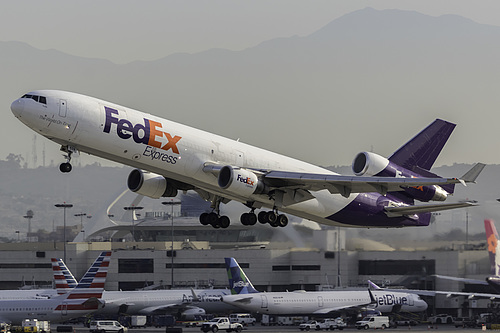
(371, 164)
(240, 181)
(150, 184)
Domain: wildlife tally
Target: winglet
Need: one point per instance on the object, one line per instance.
(372, 285)
(372, 299)
(471, 175)
(195, 297)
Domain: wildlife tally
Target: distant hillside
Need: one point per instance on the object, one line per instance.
(321, 98)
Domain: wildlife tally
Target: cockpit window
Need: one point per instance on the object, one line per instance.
(36, 98)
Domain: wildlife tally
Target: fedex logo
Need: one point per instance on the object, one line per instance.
(150, 133)
(244, 180)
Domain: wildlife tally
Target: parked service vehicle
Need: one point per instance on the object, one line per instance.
(331, 324)
(244, 319)
(373, 322)
(464, 322)
(103, 326)
(35, 325)
(221, 323)
(308, 325)
(4, 327)
(442, 318)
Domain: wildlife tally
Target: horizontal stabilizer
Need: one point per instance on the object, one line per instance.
(416, 209)
(471, 175)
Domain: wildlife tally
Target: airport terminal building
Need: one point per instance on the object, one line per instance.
(271, 258)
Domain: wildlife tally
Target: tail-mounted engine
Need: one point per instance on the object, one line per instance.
(239, 181)
(150, 184)
(370, 164)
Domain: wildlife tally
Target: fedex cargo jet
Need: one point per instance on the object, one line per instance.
(171, 157)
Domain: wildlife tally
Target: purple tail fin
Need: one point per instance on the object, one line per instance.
(420, 153)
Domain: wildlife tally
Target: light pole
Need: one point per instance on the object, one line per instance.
(64, 206)
(29, 216)
(133, 209)
(172, 203)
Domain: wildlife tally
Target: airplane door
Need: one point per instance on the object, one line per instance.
(63, 107)
(64, 309)
(411, 301)
(240, 158)
(264, 301)
(320, 301)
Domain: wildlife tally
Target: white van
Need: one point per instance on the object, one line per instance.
(373, 322)
(102, 326)
(244, 319)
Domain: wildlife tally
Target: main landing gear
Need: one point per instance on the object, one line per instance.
(272, 217)
(66, 166)
(214, 218)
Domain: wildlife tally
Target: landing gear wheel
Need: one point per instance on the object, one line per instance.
(282, 220)
(224, 222)
(252, 219)
(65, 167)
(248, 218)
(204, 219)
(212, 218)
(262, 217)
(271, 217)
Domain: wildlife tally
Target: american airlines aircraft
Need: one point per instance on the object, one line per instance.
(188, 303)
(80, 301)
(170, 157)
(248, 298)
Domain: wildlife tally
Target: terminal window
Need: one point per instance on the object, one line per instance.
(135, 266)
(396, 267)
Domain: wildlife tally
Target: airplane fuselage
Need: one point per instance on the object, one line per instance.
(141, 302)
(184, 154)
(300, 302)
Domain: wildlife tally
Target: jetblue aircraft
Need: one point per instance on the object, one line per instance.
(170, 157)
(80, 301)
(245, 296)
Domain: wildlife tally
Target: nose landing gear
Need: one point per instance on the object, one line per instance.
(66, 166)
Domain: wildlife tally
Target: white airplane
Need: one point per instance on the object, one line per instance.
(80, 301)
(245, 296)
(189, 303)
(170, 157)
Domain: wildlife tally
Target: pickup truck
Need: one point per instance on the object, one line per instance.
(331, 324)
(308, 325)
(221, 323)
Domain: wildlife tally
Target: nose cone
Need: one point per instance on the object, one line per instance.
(17, 107)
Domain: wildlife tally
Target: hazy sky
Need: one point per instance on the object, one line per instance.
(124, 31)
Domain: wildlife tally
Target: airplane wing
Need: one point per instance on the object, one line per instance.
(446, 293)
(454, 278)
(415, 209)
(164, 308)
(345, 185)
(345, 307)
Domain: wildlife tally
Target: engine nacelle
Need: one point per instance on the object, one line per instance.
(150, 184)
(371, 164)
(239, 181)
(192, 313)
